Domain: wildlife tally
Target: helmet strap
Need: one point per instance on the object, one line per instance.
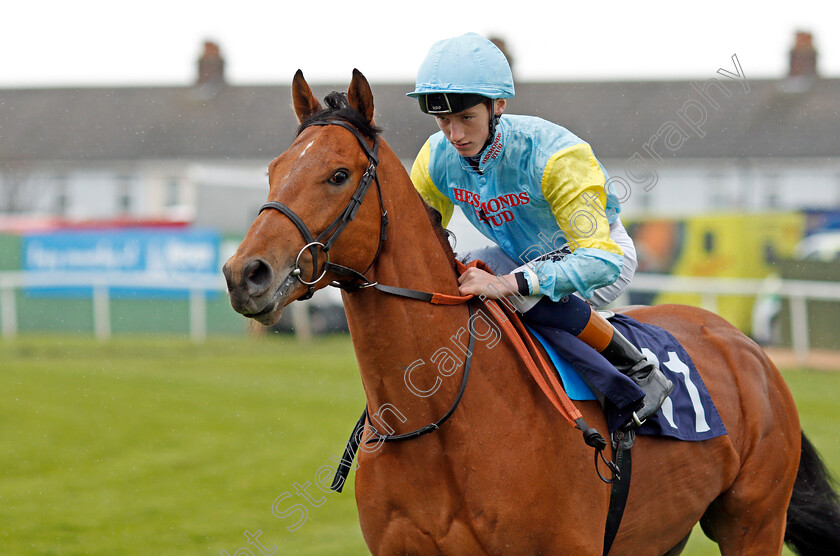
(494, 121)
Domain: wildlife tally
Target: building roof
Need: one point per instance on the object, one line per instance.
(789, 117)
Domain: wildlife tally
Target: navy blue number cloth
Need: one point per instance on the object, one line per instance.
(687, 414)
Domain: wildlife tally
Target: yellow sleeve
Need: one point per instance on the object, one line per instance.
(573, 184)
(426, 187)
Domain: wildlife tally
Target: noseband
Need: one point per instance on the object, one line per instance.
(328, 237)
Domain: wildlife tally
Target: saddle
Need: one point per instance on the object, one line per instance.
(687, 414)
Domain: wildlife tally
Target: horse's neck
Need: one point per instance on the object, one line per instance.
(412, 255)
(390, 333)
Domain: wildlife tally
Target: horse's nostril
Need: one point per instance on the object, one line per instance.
(226, 271)
(258, 276)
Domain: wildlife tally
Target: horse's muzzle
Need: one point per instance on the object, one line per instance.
(255, 291)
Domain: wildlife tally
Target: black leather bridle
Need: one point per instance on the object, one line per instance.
(328, 237)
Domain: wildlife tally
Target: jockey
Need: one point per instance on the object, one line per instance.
(538, 192)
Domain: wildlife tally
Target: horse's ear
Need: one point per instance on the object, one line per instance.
(360, 97)
(305, 102)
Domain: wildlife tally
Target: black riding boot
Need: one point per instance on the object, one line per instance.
(631, 362)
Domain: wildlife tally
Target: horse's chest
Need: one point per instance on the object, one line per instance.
(436, 510)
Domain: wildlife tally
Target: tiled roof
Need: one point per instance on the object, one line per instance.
(776, 118)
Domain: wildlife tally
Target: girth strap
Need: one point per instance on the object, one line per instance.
(619, 488)
(349, 455)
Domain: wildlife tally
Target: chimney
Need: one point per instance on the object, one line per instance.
(803, 56)
(211, 66)
(501, 45)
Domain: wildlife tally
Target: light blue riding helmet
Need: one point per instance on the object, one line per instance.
(459, 73)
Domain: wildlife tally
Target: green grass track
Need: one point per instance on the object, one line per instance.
(153, 445)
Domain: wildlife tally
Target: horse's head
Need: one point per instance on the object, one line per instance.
(320, 215)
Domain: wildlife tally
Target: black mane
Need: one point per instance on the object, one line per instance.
(338, 108)
(446, 237)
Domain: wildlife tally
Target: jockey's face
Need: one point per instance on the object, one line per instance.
(468, 130)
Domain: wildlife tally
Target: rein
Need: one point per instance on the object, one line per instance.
(541, 371)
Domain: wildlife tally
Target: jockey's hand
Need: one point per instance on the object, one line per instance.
(478, 282)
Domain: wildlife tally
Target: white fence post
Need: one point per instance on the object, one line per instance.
(196, 286)
(198, 314)
(8, 311)
(301, 321)
(799, 333)
(101, 312)
(709, 301)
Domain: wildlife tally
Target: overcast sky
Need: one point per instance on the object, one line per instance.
(93, 42)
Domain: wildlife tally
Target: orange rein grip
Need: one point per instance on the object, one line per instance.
(444, 299)
(541, 370)
(597, 333)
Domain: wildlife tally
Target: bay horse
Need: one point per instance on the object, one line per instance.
(505, 474)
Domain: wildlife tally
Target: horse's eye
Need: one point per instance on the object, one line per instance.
(339, 177)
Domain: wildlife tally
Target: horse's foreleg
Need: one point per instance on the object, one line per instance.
(404, 537)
